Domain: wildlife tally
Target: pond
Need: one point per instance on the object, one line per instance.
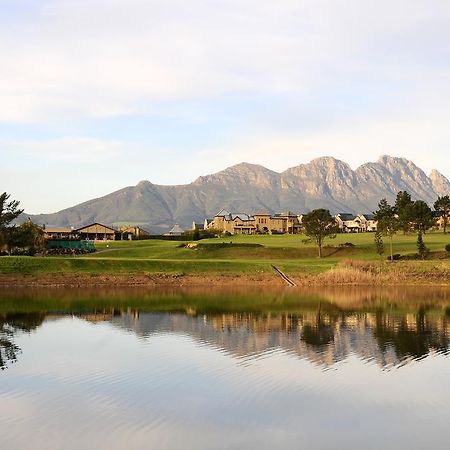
(329, 368)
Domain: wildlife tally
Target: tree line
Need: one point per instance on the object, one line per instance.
(404, 215)
(408, 216)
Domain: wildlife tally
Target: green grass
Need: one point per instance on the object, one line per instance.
(232, 255)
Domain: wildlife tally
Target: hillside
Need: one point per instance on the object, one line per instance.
(324, 182)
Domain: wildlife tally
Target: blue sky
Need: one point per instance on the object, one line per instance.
(96, 95)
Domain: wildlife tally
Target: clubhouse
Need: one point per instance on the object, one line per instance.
(96, 232)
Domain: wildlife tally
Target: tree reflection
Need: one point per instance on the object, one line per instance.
(11, 324)
(410, 338)
(318, 333)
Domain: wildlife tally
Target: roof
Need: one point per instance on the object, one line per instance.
(346, 216)
(176, 229)
(133, 229)
(222, 213)
(57, 230)
(369, 216)
(242, 216)
(286, 214)
(95, 223)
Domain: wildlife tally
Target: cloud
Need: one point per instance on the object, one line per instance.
(114, 57)
(67, 149)
(356, 141)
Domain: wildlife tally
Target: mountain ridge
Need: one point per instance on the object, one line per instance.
(323, 182)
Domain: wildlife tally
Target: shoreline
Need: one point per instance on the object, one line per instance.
(333, 277)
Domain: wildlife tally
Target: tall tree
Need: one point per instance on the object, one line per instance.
(421, 216)
(387, 221)
(379, 246)
(442, 205)
(421, 247)
(403, 205)
(319, 225)
(9, 210)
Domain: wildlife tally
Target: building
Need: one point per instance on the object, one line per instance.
(175, 231)
(368, 222)
(58, 233)
(199, 226)
(243, 223)
(440, 220)
(98, 232)
(133, 233)
(351, 223)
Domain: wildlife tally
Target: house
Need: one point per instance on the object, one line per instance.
(98, 232)
(440, 219)
(287, 222)
(175, 231)
(348, 223)
(262, 222)
(133, 233)
(198, 226)
(368, 222)
(234, 223)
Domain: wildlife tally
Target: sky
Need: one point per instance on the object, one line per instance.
(96, 95)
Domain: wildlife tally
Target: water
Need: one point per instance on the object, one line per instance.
(197, 369)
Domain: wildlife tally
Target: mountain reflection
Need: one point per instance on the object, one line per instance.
(387, 329)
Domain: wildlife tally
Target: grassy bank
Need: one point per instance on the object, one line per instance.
(247, 258)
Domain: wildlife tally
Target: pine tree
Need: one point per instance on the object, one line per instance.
(421, 247)
(442, 205)
(387, 221)
(379, 246)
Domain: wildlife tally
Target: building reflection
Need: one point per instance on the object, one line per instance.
(324, 338)
(323, 335)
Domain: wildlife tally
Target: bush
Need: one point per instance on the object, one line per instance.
(395, 257)
(447, 248)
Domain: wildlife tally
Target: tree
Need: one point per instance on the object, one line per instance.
(379, 246)
(387, 221)
(319, 225)
(8, 212)
(442, 205)
(421, 216)
(403, 205)
(421, 247)
(28, 236)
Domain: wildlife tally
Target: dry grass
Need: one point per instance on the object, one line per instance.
(356, 272)
(348, 275)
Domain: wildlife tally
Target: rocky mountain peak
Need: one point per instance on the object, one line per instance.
(323, 183)
(242, 173)
(441, 184)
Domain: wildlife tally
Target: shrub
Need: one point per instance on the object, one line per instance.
(395, 257)
(447, 247)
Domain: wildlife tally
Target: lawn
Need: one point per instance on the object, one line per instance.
(232, 255)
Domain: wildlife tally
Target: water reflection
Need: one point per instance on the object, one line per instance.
(11, 324)
(208, 369)
(324, 327)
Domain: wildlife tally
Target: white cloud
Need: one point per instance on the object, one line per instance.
(68, 149)
(107, 57)
(356, 142)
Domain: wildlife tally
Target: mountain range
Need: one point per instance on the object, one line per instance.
(322, 183)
